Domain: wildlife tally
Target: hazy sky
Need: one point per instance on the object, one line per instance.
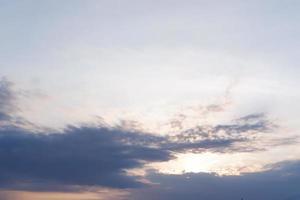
(114, 99)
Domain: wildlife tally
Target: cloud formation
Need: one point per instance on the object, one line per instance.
(281, 182)
(222, 137)
(87, 156)
(78, 156)
(7, 100)
(100, 155)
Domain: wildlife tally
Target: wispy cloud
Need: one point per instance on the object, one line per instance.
(222, 137)
(7, 100)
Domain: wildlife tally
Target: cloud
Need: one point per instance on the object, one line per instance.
(88, 156)
(100, 155)
(281, 182)
(9, 109)
(84, 156)
(92, 156)
(7, 100)
(222, 137)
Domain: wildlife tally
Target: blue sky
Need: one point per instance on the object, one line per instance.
(211, 86)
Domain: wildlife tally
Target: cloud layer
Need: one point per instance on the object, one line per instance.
(78, 156)
(281, 182)
(84, 156)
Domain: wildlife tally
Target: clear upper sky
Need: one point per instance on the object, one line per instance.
(221, 77)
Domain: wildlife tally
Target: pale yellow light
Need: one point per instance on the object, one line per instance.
(219, 163)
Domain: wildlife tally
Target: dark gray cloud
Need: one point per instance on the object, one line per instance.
(79, 156)
(280, 183)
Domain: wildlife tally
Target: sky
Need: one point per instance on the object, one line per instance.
(149, 99)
